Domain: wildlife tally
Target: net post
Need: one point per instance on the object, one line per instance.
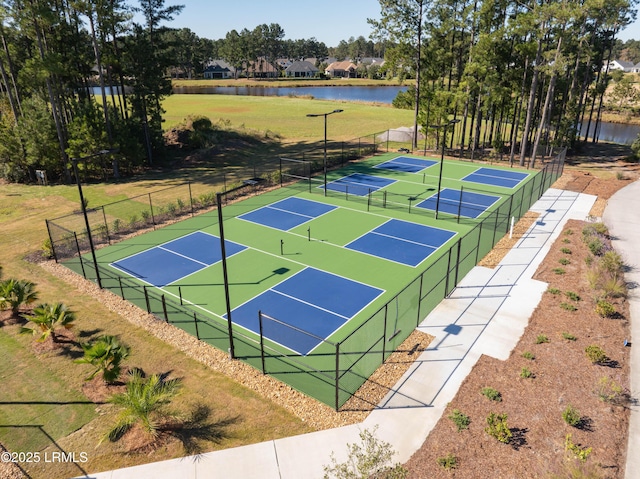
(460, 202)
(384, 199)
(146, 298)
(153, 218)
(80, 255)
(369, 200)
(164, 309)
(337, 376)
(264, 369)
(346, 192)
(195, 322)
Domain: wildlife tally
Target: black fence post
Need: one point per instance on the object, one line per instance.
(337, 376)
(384, 333)
(180, 295)
(146, 298)
(264, 369)
(121, 288)
(190, 198)
(195, 321)
(164, 309)
(80, 255)
(53, 247)
(106, 226)
(153, 218)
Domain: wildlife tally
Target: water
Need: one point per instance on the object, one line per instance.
(614, 132)
(376, 94)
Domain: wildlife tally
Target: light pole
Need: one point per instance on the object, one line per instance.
(74, 162)
(444, 141)
(324, 164)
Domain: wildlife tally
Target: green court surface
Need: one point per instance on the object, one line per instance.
(338, 363)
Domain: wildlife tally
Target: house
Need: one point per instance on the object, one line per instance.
(301, 69)
(620, 65)
(344, 69)
(261, 68)
(369, 61)
(283, 63)
(218, 69)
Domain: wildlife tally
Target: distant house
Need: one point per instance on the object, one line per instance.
(218, 69)
(301, 69)
(283, 63)
(261, 68)
(621, 65)
(372, 61)
(344, 69)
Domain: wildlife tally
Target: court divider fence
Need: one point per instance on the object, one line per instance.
(338, 369)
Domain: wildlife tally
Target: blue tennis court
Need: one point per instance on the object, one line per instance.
(309, 307)
(491, 176)
(169, 262)
(459, 202)
(402, 241)
(287, 213)
(406, 164)
(359, 184)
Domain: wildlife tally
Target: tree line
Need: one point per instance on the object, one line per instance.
(515, 73)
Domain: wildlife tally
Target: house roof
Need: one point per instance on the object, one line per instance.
(261, 65)
(346, 65)
(301, 66)
(624, 63)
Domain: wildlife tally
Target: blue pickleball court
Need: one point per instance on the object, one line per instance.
(308, 308)
(169, 262)
(406, 164)
(288, 213)
(402, 241)
(459, 202)
(491, 176)
(359, 184)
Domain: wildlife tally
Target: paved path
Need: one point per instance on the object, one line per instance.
(486, 314)
(622, 216)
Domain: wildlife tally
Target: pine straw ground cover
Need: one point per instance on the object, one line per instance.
(548, 375)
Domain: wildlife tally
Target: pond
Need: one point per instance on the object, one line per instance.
(374, 94)
(620, 133)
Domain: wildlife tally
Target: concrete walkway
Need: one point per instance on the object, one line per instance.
(486, 314)
(622, 216)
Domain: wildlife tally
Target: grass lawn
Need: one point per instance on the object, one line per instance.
(23, 209)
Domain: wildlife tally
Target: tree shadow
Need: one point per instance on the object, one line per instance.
(518, 437)
(199, 428)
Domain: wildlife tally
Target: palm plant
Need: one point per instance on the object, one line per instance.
(105, 354)
(144, 401)
(16, 292)
(47, 318)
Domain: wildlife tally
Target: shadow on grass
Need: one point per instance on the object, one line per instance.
(199, 428)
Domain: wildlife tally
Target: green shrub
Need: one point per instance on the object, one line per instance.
(492, 394)
(498, 428)
(596, 246)
(571, 416)
(526, 373)
(47, 249)
(569, 337)
(572, 296)
(609, 390)
(180, 204)
(146, 216)
(595, 354)
(172, 210)
(605, 309)
(448, 462)
(565, 251)
(528, 355)
(117, 225)
(133, 221)
(568, 232)
(568, 307)
(564, 261)
(588, 260)
(614, 288)
(559, 270)
(553, 291)
(566, 240)
(612, 263)
(542, 338)
(461, 420)
(582, 454)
